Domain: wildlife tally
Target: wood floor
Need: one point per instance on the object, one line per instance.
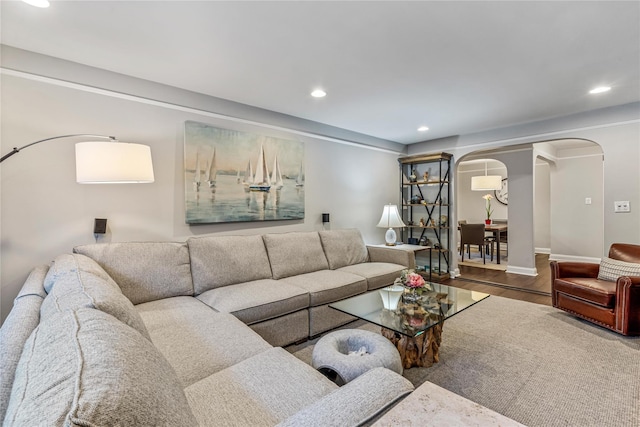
(516, 286)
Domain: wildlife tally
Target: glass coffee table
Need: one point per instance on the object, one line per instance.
(415, 327)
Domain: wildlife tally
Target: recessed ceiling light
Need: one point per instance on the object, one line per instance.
(423, 129)
(37, 3)
(318, 93)
(600, 89)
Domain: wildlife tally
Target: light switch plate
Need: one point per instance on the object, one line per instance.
(622, 206)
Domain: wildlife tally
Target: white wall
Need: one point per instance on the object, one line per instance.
(542, 207)
(44, 212)
(577, 175)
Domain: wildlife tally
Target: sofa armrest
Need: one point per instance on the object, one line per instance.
(573, 269)
(365, 397)
(394, 256)
(628, 305)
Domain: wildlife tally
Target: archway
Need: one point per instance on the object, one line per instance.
(559, 208)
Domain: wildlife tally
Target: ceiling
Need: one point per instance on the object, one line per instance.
(388, 66)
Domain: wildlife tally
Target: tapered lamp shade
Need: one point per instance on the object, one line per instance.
(390, 219)
(486, 182)
(113, 163)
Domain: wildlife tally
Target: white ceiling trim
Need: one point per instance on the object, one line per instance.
(177, 107)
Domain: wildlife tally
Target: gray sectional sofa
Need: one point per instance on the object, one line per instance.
(190, 333)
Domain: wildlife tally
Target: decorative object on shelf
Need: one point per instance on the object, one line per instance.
(487, 197)
(502, 194)
(390, 219)
(416, 199)
(425, 176)
(413, 177)
(423, 241)
(486, 182)
(444, 220)
(422, 223)
(106, 162)
(412, 240)
(391, 296)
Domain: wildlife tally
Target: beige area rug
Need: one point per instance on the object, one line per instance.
(488, 266)
(534, 364)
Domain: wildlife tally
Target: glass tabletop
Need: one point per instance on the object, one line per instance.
(411, 318)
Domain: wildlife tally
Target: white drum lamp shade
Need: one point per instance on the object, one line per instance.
(486, 182)
(390, 219)
(100, 162)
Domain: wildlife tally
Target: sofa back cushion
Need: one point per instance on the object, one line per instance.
(343, 247)
(145, 271)
(76, 281)
(16, 329)
(226, 260)
(295, 253)
(84, 368)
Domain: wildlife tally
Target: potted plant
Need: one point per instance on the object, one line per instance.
(487, 198)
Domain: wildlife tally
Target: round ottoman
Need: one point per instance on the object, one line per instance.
(331, 354)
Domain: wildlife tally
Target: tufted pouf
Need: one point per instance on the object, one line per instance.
(331, 354)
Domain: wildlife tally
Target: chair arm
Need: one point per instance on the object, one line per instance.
(356, 402)
(628, 305)
(573, 269)
(394, 256)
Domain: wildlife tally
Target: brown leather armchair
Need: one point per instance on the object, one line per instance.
(575, 288)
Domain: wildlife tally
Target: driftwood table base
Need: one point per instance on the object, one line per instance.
(423, 350)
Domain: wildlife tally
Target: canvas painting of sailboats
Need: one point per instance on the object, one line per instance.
(233, 176)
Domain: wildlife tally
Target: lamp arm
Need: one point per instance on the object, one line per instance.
(17, 150)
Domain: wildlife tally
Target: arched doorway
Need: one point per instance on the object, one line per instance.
(557, 209)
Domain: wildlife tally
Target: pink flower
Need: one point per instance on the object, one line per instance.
(414, 280)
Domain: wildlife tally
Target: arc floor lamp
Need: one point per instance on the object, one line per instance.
(106, 162)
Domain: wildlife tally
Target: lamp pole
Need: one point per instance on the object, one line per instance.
(17, 150)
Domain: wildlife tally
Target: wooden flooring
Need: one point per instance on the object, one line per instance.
(516, 286)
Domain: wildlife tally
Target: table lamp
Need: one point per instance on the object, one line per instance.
(390, 219)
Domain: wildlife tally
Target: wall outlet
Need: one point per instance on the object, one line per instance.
(621, 206)
(587, 201)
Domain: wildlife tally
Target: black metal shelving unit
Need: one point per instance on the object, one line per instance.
(425, 199)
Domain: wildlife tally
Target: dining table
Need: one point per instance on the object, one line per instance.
(497, 230)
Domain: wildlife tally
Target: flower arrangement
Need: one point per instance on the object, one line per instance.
(488, 198)
(411, 280)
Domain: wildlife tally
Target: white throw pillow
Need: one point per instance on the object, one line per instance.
(611, 269)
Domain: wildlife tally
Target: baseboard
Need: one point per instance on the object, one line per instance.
(573, 258)
(525, 271)
(545, 251)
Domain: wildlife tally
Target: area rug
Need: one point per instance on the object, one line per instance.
(534, 364)
(489, 266)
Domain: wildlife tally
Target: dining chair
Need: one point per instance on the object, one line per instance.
(473, 234)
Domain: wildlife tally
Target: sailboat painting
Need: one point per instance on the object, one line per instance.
(235, 176)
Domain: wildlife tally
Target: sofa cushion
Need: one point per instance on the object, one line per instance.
(600, 292)
(327, 286)
(76, 281)
(343, 247)
(257, 301)
(16, 329)
(195, 339)
(145, 271)
(611, 269)
(84, 368)
(260, 391)
(378, 274)
(227, 260)
(295, 253)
